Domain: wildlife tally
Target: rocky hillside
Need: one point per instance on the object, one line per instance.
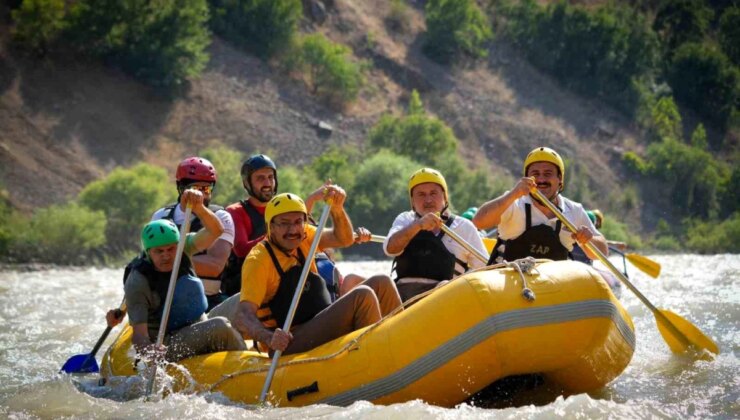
(65, 122)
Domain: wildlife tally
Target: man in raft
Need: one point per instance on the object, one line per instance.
(529, 228)
(423, 255)
(198, 173)
(145, 287)
(271, 273)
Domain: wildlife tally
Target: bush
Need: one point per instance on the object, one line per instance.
(713, 237)
(682, 21)
(38, 23)
(634, 163)
(600, 53)
(228, 163)
(337, 164)
(399, 16)
(382, 192)
(455, 27)
(614, 230)
(301, 182)
(65, 233)
(128, 197)
(667, 243)
(160, 43)
(265, 27)
(421, 137)
(703, 79)
(328, 68)
(729, 34)
(692, 175)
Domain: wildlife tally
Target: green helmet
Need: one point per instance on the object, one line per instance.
(469, 213)
(158, 233)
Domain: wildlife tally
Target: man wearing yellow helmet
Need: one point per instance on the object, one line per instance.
(424, 256)
(272, 270)
(530, 228)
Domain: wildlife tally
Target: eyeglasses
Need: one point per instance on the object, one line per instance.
(286, 225)
(205, 189)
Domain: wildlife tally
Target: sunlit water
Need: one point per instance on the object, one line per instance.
(47, 316)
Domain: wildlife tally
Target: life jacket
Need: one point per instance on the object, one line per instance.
(231, 277)
(189, 299)
(329, 272)
(427, 256)
(539, 241)
(314, 297)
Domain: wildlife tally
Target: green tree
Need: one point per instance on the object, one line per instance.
(455, 27)
(383, 193)
(338, 164)
(682, 21)
(159, 42)
(265, 27)
(66, 233)
(227, 161)
(329, 68)
(714, 236)
(729, 33)
(128, 197)
(703, 79)
(38, 23)
(665, 121)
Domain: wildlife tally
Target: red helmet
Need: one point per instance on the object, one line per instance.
(195, 169)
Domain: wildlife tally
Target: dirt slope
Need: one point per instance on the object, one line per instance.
(64, 122)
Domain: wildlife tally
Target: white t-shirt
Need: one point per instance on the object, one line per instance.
(463, 227)
(222, 215)
(513, 220)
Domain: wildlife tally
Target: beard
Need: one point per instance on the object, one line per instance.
(264, 195)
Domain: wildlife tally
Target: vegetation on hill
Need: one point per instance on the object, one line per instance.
(644, 61)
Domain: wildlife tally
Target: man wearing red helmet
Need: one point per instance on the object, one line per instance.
(200, 174)
(528, 227)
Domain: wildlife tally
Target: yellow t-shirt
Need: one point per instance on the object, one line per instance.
(260, 278)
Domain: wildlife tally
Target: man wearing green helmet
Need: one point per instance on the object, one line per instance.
(529, 228)
(147, 280)
(424, 257)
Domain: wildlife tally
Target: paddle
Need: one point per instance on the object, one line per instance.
(296, 297)
(86, 363)
(678, 333)
(643, 263)
(170, 292)
(464, 243)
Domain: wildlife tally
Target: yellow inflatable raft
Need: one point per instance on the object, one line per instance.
(442, 349)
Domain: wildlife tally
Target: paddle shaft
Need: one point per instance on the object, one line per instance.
(296, 298)
(463, 243)
(604, 260)
(119, 312)
(624, 260)
(170, 292)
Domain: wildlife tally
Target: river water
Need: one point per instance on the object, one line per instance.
(49, 315)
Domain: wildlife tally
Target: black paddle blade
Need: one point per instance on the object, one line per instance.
(81, 363)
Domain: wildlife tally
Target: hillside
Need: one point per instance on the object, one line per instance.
(65, 122)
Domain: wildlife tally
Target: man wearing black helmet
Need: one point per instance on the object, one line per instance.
(260, 180)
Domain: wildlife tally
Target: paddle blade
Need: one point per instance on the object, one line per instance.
(644, 264)
(81, 363)
(490, 243)
(695, 337)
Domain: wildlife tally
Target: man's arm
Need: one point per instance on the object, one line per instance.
(212, 263)
(489, 214)
(212, 227)
(398, 240)
(247, 323)
(341, 235)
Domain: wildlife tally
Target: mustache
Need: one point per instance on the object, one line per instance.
(543, 184)
(293, 236)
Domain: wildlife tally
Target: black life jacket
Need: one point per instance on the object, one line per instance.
(579, 254)
(539, 241)
(195, 226)
(159, 283)
(314, 297)
(231, 277)
(427, 256)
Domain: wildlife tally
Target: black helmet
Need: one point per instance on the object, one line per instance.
(254, 163)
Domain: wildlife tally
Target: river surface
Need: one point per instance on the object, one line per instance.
(50, 315)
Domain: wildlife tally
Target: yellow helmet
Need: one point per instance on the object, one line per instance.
(545, 154)
(425, 175)
(281, 204)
